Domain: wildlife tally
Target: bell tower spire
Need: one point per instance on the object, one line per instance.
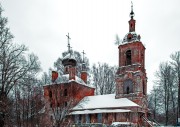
(69, 47)
(132, 13)
(132, 21)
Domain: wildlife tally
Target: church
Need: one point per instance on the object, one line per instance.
(127, 106)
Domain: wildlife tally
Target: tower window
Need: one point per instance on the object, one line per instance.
(127, 90)
(131, 25)
(65, 92)
(128, 57)
(142, 57)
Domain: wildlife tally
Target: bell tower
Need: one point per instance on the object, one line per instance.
(131, 80)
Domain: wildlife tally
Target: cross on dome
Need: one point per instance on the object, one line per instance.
(69, 47)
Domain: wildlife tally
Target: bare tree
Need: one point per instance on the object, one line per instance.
(118, 41)
(164, 100)
(60, 105)
(176, 67)
(153, 101)
(104, 78)
(166, 90)
(61, 112)
(15, 65)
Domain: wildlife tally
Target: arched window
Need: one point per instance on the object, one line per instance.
(127, 90)
(51, 118)
(142, 58)
(66, 69)
(65, 92)
(65, 104)
(50, 94)
(128, 86)
(128, 57)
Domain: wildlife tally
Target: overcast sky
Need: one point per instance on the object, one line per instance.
(42, 25)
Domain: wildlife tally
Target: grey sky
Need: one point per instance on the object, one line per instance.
(42, 25)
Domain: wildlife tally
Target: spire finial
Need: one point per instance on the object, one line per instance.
(69, 47)
(83, 55)
(132, 13)
(83, 62)
(131, 6)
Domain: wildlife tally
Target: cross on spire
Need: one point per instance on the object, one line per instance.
(132, 13)
(83, 55)
(131, 6)
(69, 47)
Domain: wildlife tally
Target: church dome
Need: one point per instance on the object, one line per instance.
(131, 37)
(69, 59)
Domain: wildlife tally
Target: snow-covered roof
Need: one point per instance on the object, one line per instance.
(65, 79)
(69, 56)
(99, 111)
(104, 101)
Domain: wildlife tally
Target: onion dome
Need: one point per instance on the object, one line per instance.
(131, 37)
(69, 59)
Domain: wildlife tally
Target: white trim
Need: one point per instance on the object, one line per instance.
(99, 111)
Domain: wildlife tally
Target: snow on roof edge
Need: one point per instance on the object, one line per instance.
(104, 101)
(99, 111)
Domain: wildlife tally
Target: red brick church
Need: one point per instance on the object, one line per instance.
(128, 106)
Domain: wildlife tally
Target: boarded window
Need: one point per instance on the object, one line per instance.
(99, 116)
(88, 118)
(128, 57)
(77, 118)
(50, 94)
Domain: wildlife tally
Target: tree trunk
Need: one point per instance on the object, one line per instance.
(155, 104)
(179, 99)
(2, 117)
(3, 109)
